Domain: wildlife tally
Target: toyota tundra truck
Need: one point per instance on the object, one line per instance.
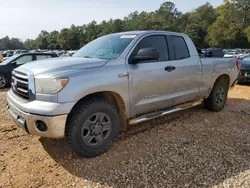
(115, 81)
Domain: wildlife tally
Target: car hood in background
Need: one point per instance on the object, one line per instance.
(59, 65)
(245, 65)
(229, 55)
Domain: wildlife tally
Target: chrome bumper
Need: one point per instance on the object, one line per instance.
(55, 124)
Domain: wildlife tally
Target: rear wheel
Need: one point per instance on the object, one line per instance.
(93, 128)
(3, 82)
(218, 97)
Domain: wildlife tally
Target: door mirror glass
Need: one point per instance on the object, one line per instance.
(146, 54)
(14, 63)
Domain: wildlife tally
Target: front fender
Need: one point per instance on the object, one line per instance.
(95, 80)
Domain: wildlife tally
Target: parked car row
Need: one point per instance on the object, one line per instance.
(7, 66)
(8, 53)
(213, 52)
(237, 53)
(226, 53)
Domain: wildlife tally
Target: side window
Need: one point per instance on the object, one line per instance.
(158, 42)
(40, 57)
(23, 59)
(181, 49)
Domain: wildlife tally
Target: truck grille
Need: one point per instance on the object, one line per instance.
(20, 84)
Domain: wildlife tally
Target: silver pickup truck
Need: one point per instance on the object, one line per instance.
(115, 81)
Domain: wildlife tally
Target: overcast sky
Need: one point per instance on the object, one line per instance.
(26, 18)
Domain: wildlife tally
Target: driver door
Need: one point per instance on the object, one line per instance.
(151, 85)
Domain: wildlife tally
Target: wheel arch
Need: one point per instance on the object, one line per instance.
(112, 97)
(223, 76)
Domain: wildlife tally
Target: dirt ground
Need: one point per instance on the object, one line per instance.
(193, 148)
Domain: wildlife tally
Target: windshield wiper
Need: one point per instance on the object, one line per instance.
(88, 57)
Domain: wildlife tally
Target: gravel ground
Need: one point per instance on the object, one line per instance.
(193, 148)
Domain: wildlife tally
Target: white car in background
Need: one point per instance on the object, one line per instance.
(231, 54)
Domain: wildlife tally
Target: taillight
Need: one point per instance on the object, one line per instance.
(238, 64)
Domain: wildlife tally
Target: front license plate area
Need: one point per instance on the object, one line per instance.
(20, 121)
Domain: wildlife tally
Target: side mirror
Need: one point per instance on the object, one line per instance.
(14, 63)
(146, 54)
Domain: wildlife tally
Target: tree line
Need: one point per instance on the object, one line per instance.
(227, 26)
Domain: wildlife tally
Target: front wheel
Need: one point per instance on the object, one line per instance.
(93, 128)
(3, 82)
(218, 97)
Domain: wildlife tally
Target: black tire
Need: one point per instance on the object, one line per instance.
(218, 96)
(3, 82)
(79, 130)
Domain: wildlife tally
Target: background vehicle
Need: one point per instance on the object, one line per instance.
(7, 66)
(214, 52)
(231, 54)
(115, 80)
(242, 54)
(244, 76)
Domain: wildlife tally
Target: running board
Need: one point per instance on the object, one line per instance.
(154, 115)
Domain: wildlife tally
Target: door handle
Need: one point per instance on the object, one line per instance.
(170, 68)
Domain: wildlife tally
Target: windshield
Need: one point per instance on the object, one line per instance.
(7, 61)
(106, 47)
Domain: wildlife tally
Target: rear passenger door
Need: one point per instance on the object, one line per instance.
(187, 73)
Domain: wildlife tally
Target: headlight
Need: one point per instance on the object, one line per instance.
(50, 86)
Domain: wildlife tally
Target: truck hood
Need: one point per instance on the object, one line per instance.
(59, 65)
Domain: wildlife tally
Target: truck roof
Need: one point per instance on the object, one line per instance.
(143, 32)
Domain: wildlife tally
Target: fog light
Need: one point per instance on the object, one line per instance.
(41, 126)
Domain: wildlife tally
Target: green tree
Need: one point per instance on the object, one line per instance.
(63, 39)
(182, 22)
(5, 43)
(247, 33)
(226, 31)
(53, 40)
(168, 14)
(29, 44)
(42, 40)
(243, 6)
(73, 38)
(92, 31)
(16, 43)
(198, 23)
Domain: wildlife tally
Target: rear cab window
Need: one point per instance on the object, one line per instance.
(178, 48)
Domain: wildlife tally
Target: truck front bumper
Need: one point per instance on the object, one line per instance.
(44, 125)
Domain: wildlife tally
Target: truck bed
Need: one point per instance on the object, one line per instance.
(213, 67)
